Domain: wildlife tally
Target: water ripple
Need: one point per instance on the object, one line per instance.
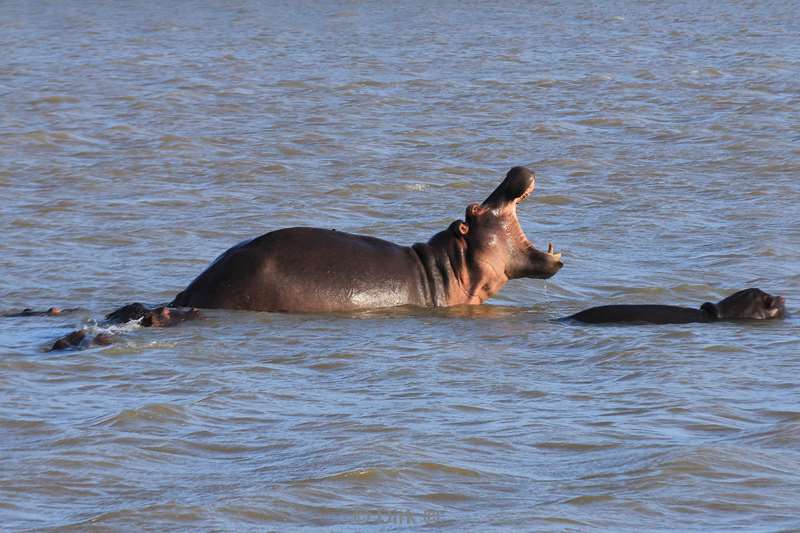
(136, 145)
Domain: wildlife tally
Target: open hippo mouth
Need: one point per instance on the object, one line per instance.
(525, 260)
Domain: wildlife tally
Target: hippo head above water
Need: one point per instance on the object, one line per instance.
(753, 304)
(489, 247)
(497, 237)
(319, 270)
(748, 304)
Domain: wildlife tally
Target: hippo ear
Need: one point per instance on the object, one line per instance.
(711, 310)
(459, 228)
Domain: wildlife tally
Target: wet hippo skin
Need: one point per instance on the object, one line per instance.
(319, 270)
(53, 311)
(157, 317)
(753, 304)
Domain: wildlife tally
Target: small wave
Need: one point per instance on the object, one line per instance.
(532, 394)
(291, 151)
(588, 500)
(601, 122)
(158, 413)
(114, 329)
(447, 469)
(150, 513)
(546, 83)
(645, 74)
(25, 223)
(372, 475)
(59, 206)
(364, 84)
(784, 434)
(54, 100)
(784, 416)
(469, 408)
(294, 84)
(444, 497)
(618, 291)
(223, 447)
(361, 475)
(509, 58)
(417, 187)
(254, 515)
(377, 428)
(25, 426)
(726, 462)
(555, 199)
(481, 442)
(710, 428)
(60, 138)
(169, 141)
(574, 446)
(724, 349)
(325, 367)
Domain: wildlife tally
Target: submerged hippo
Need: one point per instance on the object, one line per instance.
(747, 304)
(53, 311)
(158, 317)
(319, 270)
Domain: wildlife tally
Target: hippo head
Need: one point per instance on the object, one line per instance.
(747, 304)
(496, 247)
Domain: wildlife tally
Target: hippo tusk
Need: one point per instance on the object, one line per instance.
(551, 251)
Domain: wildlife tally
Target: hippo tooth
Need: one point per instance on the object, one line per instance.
(551, 251)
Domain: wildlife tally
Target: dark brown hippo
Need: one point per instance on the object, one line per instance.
(743, 305)
(158, 317)
(80, 339)
(319, 270)
(53, 311)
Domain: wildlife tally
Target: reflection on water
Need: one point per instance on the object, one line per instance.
(139, 142)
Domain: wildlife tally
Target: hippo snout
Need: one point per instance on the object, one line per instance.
(553, 262)
(538, 264)
(551, 268)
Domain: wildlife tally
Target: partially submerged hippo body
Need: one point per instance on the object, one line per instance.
(319, 270)
(158, 317)
(748, 304)
(53, 311)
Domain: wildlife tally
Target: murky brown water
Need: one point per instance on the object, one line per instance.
(140, 139)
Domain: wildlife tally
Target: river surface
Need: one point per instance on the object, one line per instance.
(138, 140)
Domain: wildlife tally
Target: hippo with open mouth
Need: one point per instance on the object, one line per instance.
(319, 270)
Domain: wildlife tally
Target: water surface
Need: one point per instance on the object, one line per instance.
(139, 140)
